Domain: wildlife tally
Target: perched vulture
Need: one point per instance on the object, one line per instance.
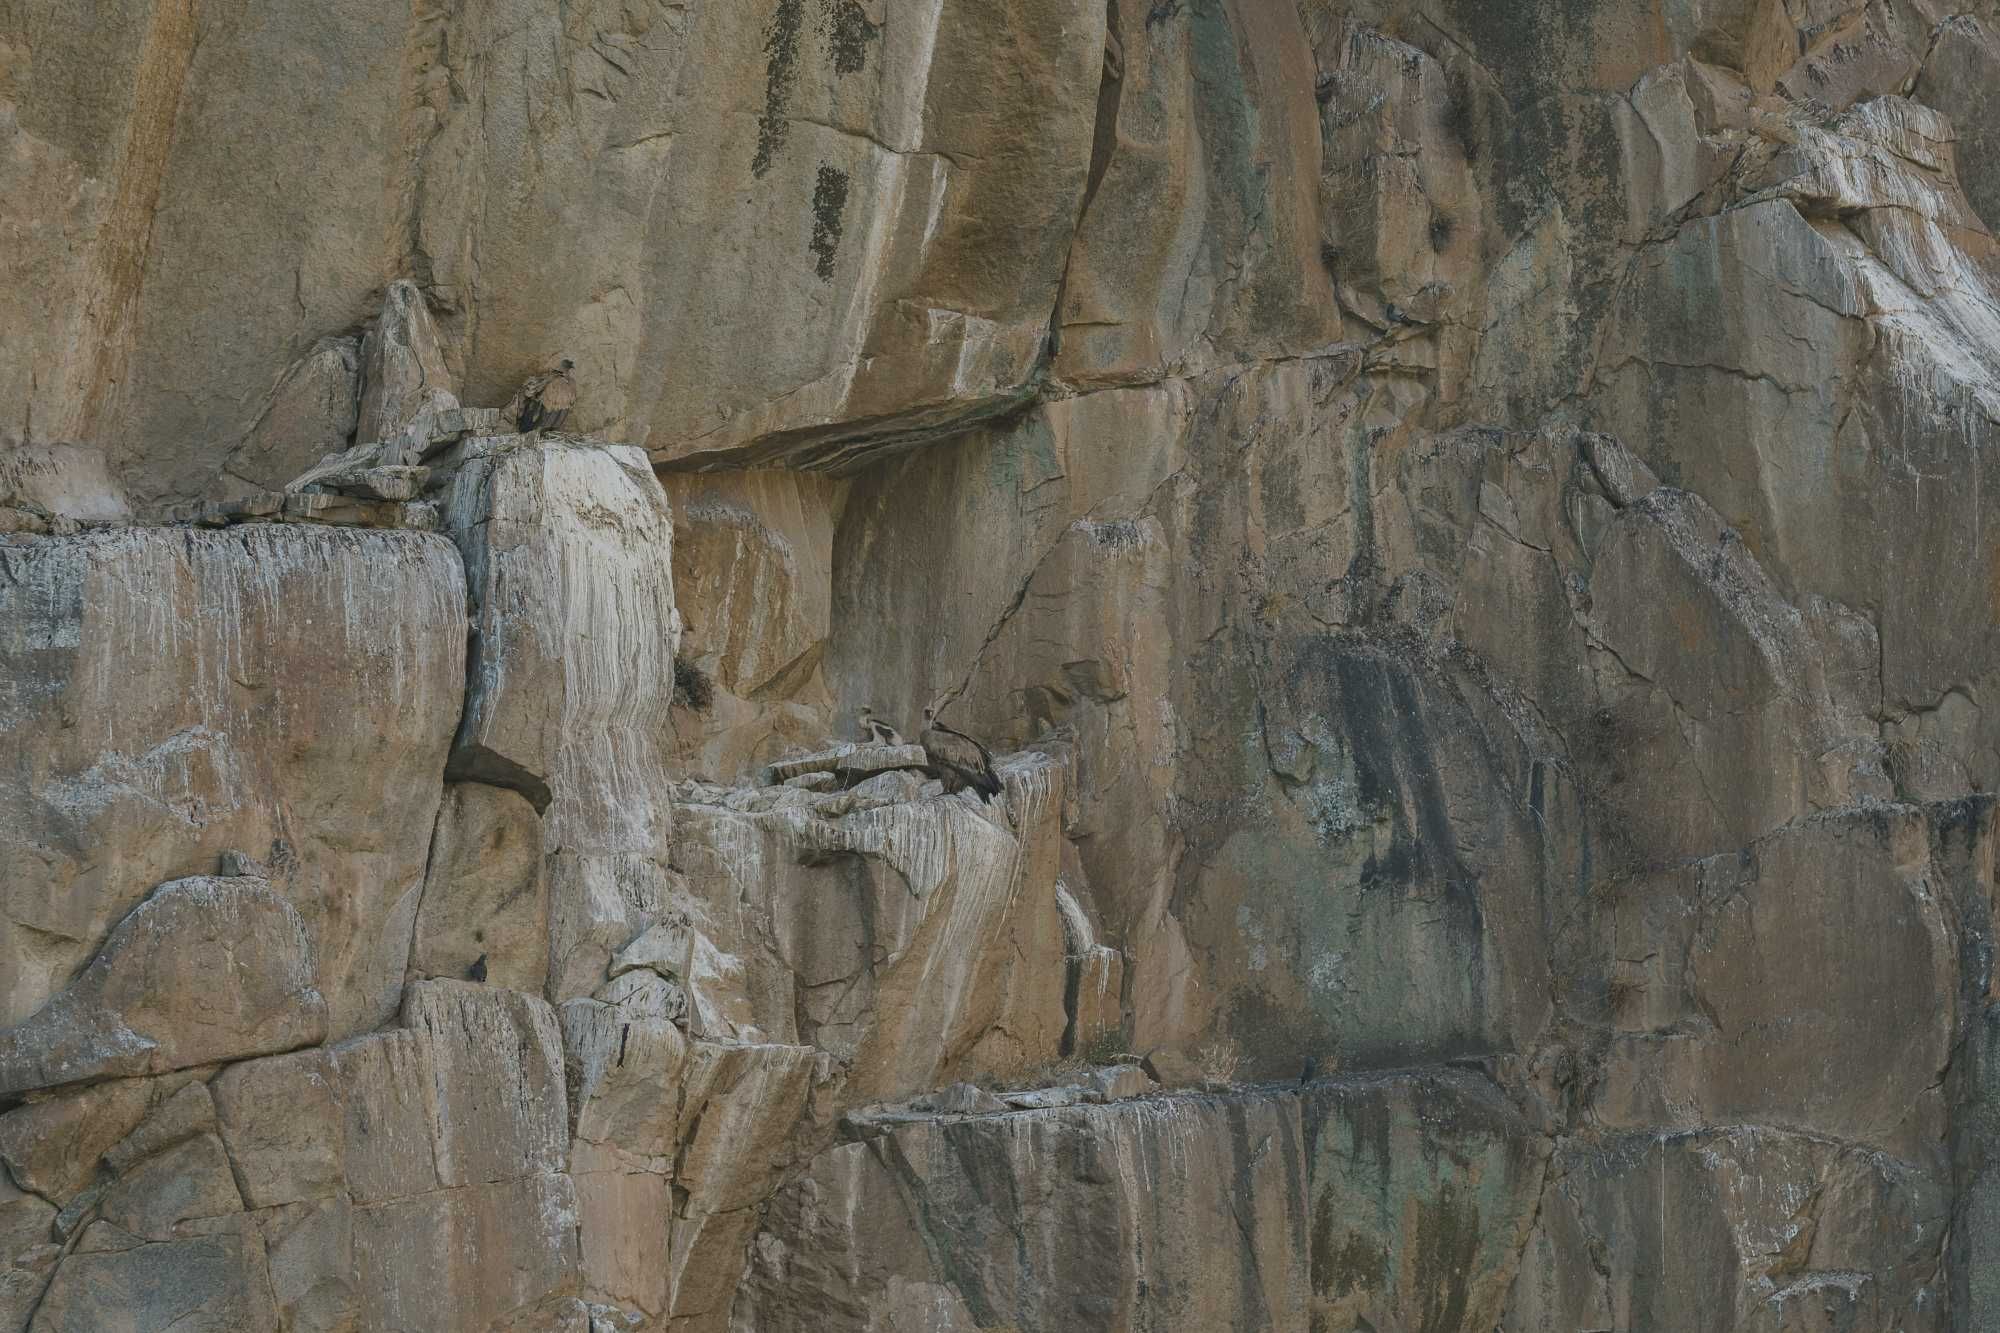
(545, 400)
(958, 759)
(877, 732)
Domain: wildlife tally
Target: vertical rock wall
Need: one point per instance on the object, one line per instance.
(1465, 524)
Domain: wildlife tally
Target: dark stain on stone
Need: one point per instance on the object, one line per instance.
(829, 203)
(1344, 1261)
(1447, 1249)
(1461, 115)
(781, 72)
(849, 32)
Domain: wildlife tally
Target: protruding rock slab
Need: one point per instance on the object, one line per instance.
(851, 763)
(403, 371)
(204, 970)
(917, 939)
(166, 695)
(569, 549)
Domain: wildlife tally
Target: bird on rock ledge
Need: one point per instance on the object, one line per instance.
(959, 760)
(544, 401)
(874, 731)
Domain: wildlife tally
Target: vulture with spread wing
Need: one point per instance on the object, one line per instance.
(959, 760)
(545, 400)
(875, 731)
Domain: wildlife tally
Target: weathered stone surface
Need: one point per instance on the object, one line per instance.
(403, 371)
(53, 1145)
(1118, 1082)
(497, 1067)
(54, 487)
(753, 584)
(915, 941)
(625, 1085)
(1200, 239)
(1464, 522)
(1185, 1213)
(204, 970)
(1732, 1228)
(739, 1109)
(212, 1282)
(170, 695)
(311, 412)
(1709, 1032)
(465, 1257)
(568, 551)
(26, 1255)
(485, 894)
(1422, 1190)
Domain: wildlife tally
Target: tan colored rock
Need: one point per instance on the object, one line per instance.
(951, 963)
(1958, 80)
(175, 1193)
(26, 1255)
(1718, 1037)
(282, 1121)
(177, 694)
(465, 1258)
(1202, 203)
(403, 371)
(311, 411)
(388, 1094)
(60, 486)
(309, 1250)
(752, 580)
(499, 1106)
(626, 1082)
(568, 552)
(643, 993)
(183, 1116)
(740, 1107)
(1117, 1083)
(215, 1280)
(53, 1145)
(1198, 1187)
(1478, 512)
(204, 970)
(485, 894)
(597, 905)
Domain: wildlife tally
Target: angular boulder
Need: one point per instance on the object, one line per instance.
(204, 970)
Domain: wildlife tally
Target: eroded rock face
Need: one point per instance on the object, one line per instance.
(1401, 1200)
(205, 970)
(172, 695)
(911, 939)
(1464, 524)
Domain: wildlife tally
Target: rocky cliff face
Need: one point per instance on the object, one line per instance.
(1462, 522)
